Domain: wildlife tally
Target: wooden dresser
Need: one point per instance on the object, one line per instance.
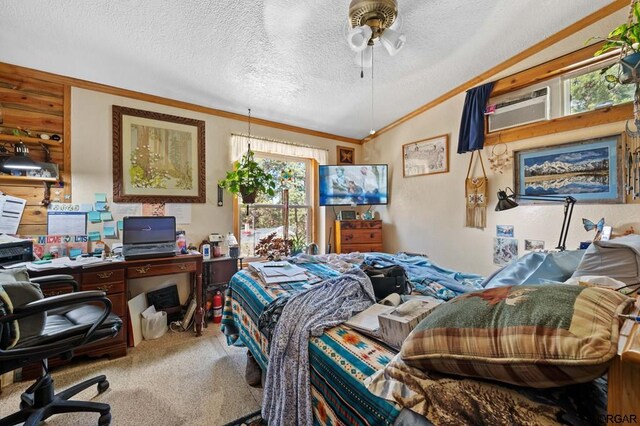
(358, 235)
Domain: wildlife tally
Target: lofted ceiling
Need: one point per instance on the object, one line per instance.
(288, 60)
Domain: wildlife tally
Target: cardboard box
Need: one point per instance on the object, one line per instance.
(395, 328)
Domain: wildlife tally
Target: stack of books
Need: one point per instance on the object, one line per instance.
(278, 272)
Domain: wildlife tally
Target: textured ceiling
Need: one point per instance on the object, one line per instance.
(288, 60)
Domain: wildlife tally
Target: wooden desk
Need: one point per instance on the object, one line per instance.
(113, 278)
(624, 381)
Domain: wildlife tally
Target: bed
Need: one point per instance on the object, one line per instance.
(341, 359)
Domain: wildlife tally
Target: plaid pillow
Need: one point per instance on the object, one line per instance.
(538, 336)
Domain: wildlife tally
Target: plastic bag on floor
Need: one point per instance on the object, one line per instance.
(154, 324)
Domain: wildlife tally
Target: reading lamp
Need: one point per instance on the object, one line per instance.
(20, 159)
(506, 202)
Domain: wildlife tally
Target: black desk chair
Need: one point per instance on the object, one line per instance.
(33, 328)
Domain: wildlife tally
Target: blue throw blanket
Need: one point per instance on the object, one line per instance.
(287, 395)
(427, 277)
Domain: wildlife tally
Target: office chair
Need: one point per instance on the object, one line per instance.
(33, 329)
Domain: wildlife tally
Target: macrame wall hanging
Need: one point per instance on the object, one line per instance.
(476, 193)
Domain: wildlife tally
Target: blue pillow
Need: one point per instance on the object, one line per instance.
(537, 268)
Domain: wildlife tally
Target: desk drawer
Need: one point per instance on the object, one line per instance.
(99, 277)
(54, 290)
(107, 287)
(118, 304)
(149, 270)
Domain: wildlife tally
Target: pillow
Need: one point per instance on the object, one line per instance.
(618, 258)
(14, 294)
(539, 336)
(537, 268)
(13, 275)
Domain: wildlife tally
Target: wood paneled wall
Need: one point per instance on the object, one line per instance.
(29, 101)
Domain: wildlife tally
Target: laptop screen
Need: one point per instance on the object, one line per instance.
(148, 229)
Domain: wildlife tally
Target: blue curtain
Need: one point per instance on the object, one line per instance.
(472, 125)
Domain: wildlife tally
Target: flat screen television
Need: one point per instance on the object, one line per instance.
(347, 185)
(148, 230)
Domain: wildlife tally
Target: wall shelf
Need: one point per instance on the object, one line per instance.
(29, 140)
(22, 179)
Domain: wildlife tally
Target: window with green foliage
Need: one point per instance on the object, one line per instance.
(266, 215)
(588, 90)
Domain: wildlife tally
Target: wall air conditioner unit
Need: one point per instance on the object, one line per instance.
(532, 107)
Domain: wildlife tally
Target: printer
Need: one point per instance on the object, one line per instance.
(14, 250)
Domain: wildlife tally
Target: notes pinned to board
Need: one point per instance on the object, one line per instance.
(11, 209)
(109, 232)
(101, 197)
(101, 206)
(120, 225)
(94, 217)
(94, 236)
(106, 216)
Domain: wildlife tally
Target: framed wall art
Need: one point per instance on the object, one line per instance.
(426, 157)
(346, 155)
(589, 171)
(157, 158)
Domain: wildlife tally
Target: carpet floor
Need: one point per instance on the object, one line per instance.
(176, 380)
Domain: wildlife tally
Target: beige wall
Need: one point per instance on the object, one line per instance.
(91, 157)
(426, 213)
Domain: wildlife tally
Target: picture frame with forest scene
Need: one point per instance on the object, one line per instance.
(589, 171)
(157, 158)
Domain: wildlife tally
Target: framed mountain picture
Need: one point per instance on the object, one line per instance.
(589, 171)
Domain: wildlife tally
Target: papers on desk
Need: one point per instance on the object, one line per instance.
(278, 272)
(367, 320)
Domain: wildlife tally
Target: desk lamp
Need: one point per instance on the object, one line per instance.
(506, 202)
(20, 160)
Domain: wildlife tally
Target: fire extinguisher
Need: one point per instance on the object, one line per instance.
(217, 307)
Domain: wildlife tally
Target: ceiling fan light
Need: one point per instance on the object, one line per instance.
(359, 37)
(364, 58)
(393, 41)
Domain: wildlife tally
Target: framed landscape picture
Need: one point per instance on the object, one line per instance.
(426, 157)
(157, 158)
(589, 171)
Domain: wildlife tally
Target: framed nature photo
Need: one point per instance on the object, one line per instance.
(589, 171)
(425, 157)
(346, 155)
(157, 158)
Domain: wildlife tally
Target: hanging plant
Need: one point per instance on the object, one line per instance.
(625, 37)
(248, 179)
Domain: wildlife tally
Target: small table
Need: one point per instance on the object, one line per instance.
(216, 273)
(624, 379)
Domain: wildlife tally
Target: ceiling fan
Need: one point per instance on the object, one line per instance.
(370, 22)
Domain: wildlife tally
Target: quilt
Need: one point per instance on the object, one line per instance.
(340, 359)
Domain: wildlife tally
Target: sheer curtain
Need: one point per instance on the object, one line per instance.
(239, 147)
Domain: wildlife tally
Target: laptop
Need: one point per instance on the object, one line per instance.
(145, 237)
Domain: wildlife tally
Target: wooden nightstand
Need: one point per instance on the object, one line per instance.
(624, 378)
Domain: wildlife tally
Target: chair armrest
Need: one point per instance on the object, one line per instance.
(61, 301)
(58, 279)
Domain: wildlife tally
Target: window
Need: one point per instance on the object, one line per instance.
(579, 96)
(266, 215)
(587, 90)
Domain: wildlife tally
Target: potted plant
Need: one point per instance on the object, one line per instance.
(625, 37)
(248, 179)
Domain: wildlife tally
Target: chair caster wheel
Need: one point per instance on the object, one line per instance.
(104, 420)
(103, 386)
